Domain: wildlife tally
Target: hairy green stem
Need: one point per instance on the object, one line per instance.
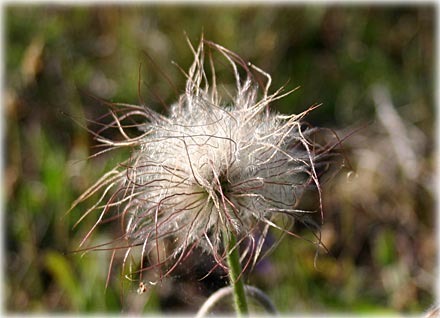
(235, 270)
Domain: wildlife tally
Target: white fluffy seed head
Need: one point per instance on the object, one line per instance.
(214, 166)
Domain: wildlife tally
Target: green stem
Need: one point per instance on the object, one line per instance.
(235, 270)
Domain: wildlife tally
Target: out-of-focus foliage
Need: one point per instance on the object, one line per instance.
(379, 211)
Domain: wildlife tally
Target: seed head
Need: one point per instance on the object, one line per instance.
(217, 164)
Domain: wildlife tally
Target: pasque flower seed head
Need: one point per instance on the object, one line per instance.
(217, 164)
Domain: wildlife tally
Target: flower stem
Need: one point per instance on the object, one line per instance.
(235, 270)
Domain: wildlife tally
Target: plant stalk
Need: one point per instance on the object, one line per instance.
(236, 281)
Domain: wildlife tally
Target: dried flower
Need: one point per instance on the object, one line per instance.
(216, 165)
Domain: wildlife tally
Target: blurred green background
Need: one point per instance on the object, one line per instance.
(379, 220)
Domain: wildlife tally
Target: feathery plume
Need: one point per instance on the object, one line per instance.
(217, 164)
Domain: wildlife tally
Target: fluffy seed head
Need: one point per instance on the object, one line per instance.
(217, 164)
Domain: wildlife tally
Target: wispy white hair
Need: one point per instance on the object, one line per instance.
(216, 165)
